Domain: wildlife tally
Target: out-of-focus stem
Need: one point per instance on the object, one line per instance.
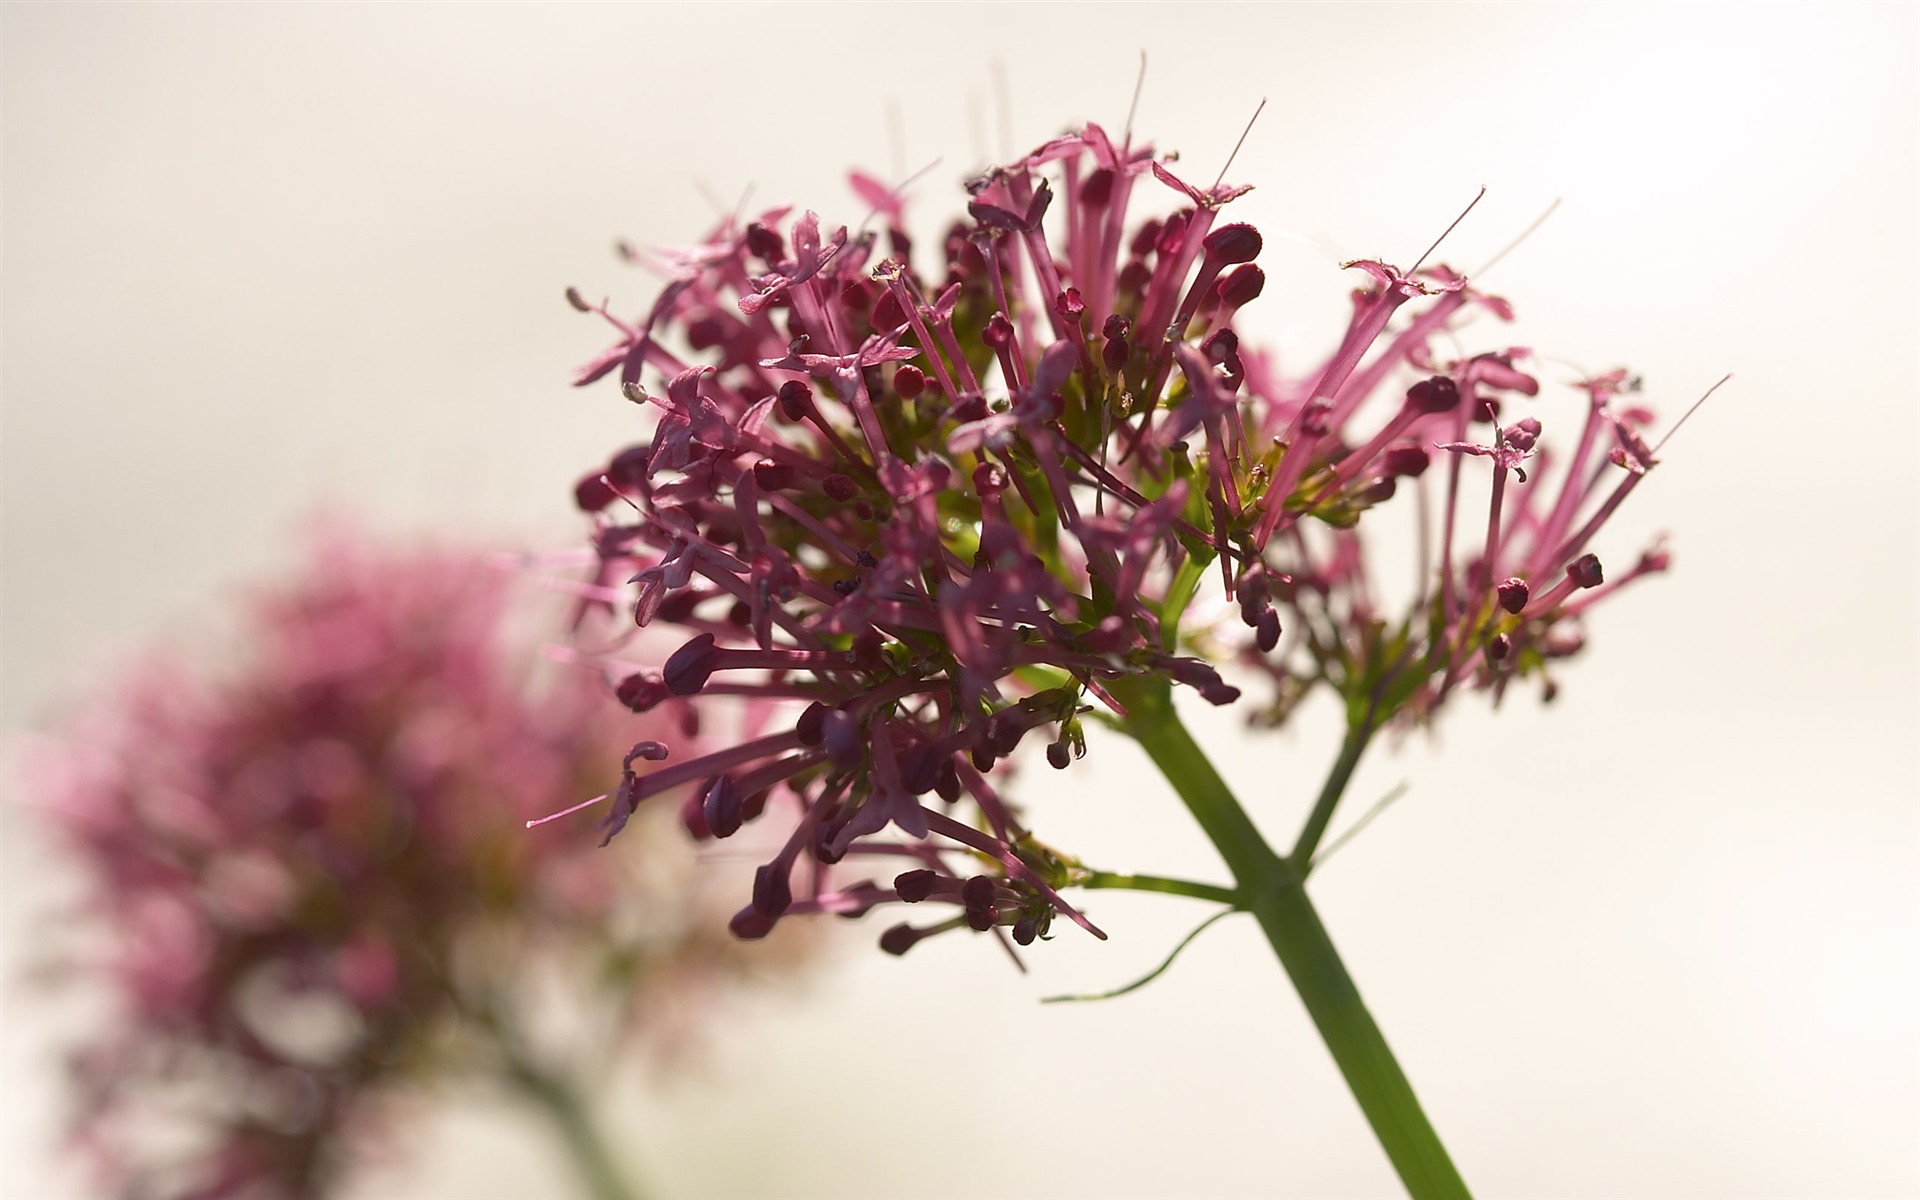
(593, 1159)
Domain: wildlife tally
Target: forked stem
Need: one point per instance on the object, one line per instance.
(1274, 888)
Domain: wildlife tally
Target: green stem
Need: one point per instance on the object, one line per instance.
(561, 1102)
(1358, 735)
(1155, 883)
(1293, 928)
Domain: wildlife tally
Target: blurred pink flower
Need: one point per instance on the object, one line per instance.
(314, 883)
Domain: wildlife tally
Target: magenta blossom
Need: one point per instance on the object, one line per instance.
(314, 885)
(923, 507)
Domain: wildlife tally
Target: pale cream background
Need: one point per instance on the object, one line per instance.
(1658, 941)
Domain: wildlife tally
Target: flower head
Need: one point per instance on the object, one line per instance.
(314, 883)
(919, 508)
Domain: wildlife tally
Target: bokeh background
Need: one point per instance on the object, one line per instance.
(1658, 940)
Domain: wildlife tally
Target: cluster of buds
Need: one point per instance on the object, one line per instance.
(312, 884)
(919, 516)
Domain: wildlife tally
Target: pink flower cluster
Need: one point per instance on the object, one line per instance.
(312, 880)
(919, 507)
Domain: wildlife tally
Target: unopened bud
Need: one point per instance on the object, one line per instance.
(796, 400)
(687, 670)
(1585, 571)
(1242, 285)
(750, 924)
(915, 886)
(900, 939)
(1405, 458)
(1513, 595)
(773, 476)
(1235, 243)
(1436, 394)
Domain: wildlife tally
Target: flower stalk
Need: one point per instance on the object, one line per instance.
(559, 1099)
(1274, 888)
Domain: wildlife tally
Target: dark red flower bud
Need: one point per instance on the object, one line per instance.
(1585, 571)
(765, 243)
(1405, 458)
(1058, 756)
(1498, 647)
(840, 487)
(1379, 491)
(909, 381)
(1069, 305)
(809, 726)
(1144, 239)
(594, 493)
(1436, 394)
(687, 670)
(1242, 285)
(915, 886)
(722, 807)
(1097, 187)
(1513, 595)
(705, 333)
(750, 924)
(900, 939)
(773, 476)
(1234, 243)
(979, 894)
(796, 400)
(1267, 633)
